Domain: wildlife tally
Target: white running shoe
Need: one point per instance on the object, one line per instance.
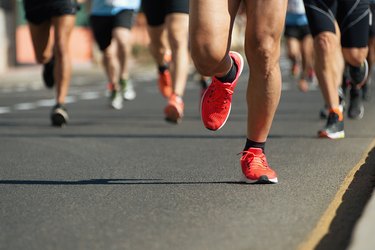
(128, 91)
(116, 100)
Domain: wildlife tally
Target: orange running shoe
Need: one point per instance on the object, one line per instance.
(174, 111)
(216, 101)
(255, 167)
(165, 83)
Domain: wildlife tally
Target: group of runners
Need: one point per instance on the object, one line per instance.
(202, 30)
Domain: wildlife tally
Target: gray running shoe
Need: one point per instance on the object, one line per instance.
(334, 129)
(323, 113)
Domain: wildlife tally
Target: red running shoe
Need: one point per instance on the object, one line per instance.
(255, 167)
(165, 83)
(216, 101)
(174, 111)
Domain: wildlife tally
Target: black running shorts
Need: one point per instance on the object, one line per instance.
(102, 26)
(297, 31)
(39, 11)
(352, 17)
(157, 10)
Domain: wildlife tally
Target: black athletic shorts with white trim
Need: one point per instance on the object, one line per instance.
(352, 17)
(297, 31)
(156, 10)
(102, 26)
(39, 11)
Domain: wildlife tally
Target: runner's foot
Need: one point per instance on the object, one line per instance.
(174, 111)
(217, 99)
(255, 168)
(59, 115)
(334, 128)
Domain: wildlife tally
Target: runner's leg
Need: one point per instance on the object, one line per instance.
(43, 45)
(210, 35)
(63, 26)
(262, 46)
(177, 25)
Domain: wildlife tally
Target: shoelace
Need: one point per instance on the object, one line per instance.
(219, 93)
(259, 161)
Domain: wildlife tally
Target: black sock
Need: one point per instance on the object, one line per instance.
(231, 75)
(254, 144)
(162, 68)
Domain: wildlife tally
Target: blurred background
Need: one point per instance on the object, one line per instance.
(16, 47)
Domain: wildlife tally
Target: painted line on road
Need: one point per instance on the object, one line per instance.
(4, 110)
(322, 227)
(50, 102)
(90, 95)
(25, 106)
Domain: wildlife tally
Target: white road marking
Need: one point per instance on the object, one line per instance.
(25, 106)
(46, 103)
(4, 110)
(90, 95)
(70, 99)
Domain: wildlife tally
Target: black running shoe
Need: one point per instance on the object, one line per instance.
(356, 108)
(59, 115)
(334, 129)
(48, 77)
(358, 75)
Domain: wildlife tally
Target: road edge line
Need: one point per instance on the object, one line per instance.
(324, 222)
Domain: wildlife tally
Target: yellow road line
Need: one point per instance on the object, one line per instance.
(322, 227)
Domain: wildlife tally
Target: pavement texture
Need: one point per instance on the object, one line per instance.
(129, 180)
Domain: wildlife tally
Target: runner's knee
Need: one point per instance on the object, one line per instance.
(355, 57)
(206, 60)
(325, 42)
(263, 52)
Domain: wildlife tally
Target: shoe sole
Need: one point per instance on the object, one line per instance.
(337, 135)
(59, 118)
(230, 106)
(262, 180)
(115, 107)
(172, 115)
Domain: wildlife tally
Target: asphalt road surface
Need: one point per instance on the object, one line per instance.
(129, 180)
